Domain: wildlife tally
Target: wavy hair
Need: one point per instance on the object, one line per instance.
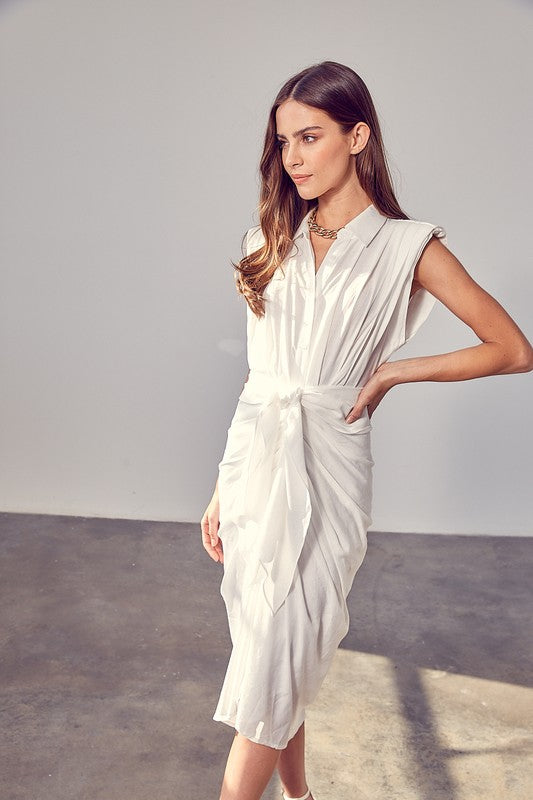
(341, 93)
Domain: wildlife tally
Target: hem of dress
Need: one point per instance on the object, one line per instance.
(257, 739)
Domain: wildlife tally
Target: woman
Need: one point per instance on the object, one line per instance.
(336, 278)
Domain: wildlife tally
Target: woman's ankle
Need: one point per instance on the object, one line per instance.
(305, 795)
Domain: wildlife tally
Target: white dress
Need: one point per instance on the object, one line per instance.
(295, 479)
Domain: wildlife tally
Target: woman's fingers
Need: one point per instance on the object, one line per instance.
(213, 550)
(372, 393)
(367, 400)
(210, 538)
(356, 411)
(219, 551)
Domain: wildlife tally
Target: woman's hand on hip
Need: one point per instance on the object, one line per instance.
(373, 391)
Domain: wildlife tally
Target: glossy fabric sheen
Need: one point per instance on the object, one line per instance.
(295, 479)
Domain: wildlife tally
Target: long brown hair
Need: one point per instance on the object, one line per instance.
(339, 91)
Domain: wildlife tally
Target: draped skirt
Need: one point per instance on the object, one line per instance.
(295, 498)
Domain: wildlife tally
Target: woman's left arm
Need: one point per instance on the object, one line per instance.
(504, 349)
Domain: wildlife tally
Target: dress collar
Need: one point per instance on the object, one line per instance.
(364, 226)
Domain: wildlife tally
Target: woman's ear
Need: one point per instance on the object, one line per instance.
(360, 136)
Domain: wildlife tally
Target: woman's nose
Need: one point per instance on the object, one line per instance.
(292, 156)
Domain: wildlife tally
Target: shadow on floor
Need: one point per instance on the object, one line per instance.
(449, 604)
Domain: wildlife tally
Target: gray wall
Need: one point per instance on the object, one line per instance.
(130, 140)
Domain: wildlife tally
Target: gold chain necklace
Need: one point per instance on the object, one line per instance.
(328, 233)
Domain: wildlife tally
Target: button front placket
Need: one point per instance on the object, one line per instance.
(309, 310)
(313, 281)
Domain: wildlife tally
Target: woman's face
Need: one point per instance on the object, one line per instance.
(311, 143)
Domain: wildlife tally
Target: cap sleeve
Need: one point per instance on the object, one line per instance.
(411, 312)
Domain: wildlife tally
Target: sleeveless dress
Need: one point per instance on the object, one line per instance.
(295, 479)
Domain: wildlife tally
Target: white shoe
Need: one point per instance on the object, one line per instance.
(304, 797)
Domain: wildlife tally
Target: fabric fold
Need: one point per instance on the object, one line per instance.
(275, 508)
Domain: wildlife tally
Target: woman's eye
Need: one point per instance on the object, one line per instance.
(281, 143)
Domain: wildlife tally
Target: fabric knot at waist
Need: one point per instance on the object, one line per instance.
(276, 503)
(288, 398)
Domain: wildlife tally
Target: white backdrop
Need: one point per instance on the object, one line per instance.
(130, 139)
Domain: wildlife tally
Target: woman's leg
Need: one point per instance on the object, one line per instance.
(248, 769)
(291, 765)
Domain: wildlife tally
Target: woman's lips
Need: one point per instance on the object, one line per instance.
(301, 180)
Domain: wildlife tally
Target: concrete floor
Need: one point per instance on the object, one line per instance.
(114, 644)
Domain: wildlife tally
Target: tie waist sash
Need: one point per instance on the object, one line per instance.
(275, 503)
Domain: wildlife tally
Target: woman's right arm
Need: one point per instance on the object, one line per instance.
(210, 523)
